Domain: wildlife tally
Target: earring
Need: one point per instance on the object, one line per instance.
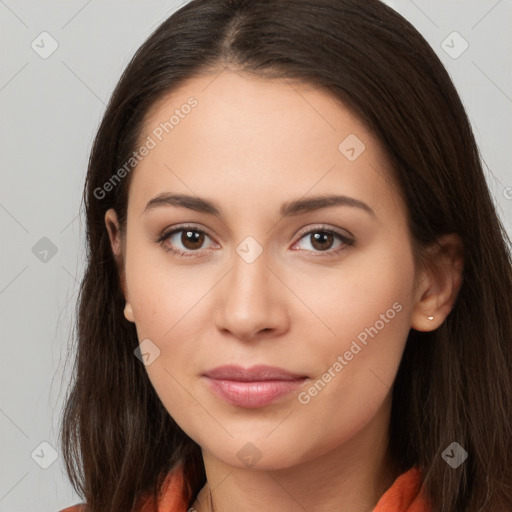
(430, 318)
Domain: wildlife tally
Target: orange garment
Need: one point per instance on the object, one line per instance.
(405, 495)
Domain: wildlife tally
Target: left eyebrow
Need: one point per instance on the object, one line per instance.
(318, 202)
(288, 209)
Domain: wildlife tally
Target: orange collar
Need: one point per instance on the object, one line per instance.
(405, 495)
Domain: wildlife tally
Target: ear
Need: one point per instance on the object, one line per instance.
(114, 234)
(439, 284)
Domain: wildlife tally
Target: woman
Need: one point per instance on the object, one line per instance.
(298, 291)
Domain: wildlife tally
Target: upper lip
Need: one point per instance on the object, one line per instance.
(254, 373)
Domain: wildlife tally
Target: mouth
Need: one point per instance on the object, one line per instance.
(252, 387)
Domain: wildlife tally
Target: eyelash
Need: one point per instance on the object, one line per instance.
(347, 242)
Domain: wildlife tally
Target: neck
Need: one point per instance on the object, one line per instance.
(349, 478)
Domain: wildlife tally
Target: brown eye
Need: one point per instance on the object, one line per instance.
(322, 240)
(192, 239)
(184, 240)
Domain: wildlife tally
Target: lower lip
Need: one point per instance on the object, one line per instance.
(253, 394)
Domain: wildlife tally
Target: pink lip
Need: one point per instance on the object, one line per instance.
(252, 387)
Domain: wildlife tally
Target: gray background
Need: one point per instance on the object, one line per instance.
(50, 110)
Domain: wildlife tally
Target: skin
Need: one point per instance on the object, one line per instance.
(250, 145)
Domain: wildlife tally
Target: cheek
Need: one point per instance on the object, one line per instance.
(168, 311)
(169, 304)
(368, 290)
(163, 295)
(365, 315)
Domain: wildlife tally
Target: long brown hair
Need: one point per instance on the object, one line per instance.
(453, 384)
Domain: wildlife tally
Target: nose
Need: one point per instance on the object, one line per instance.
(252, 301)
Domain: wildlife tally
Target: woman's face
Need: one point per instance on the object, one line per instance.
(280, 275)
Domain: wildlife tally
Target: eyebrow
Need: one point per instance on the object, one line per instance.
(288, 209)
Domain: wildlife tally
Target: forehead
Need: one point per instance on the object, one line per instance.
(252, 105)
(252, 136)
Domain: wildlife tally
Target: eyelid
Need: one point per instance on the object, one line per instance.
(325, 227)
(182, 227)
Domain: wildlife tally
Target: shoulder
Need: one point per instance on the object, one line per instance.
(74, 508)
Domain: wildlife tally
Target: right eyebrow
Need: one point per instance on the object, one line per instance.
(192, 203)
